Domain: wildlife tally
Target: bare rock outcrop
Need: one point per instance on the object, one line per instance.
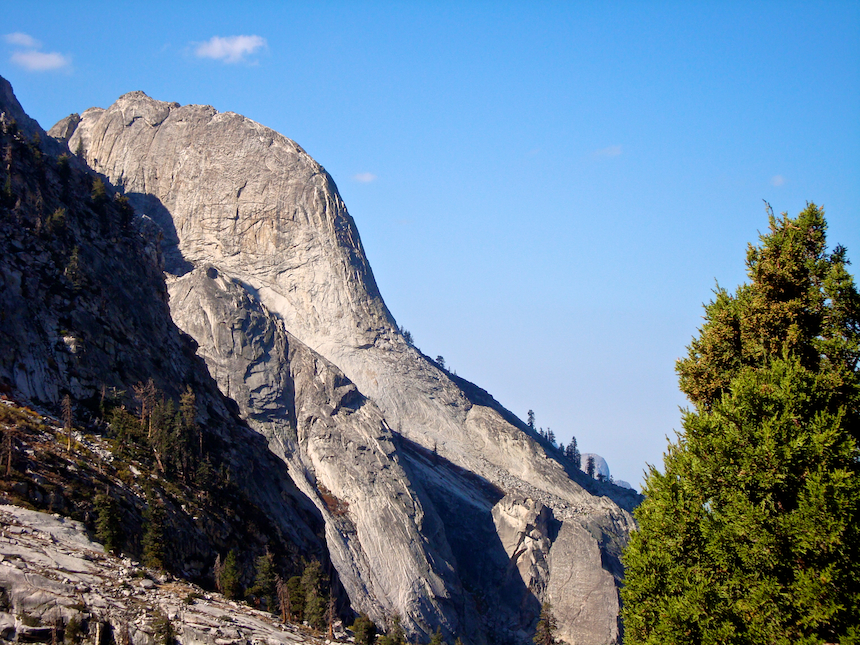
(250, 205)
(56, 584)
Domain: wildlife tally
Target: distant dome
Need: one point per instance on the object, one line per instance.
(623, 484)
(600, 465)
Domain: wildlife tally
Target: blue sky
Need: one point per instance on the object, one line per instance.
(546, 191)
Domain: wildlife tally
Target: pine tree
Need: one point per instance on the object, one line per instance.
(108, 528)
(364, 630)
(546, 627)
(750, 535)
(265, 581)
(297, 597)
(395, 635)
(227, 579)
(436, 638)
(153, 534)
(572, 453)
(589, 466)
(313, 584)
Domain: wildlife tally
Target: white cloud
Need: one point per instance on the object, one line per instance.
(611, 151)
(231, 49)
(777, 180)
(365, 177)
(22, 40)
(35, 61)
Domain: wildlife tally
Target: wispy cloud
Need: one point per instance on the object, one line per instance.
(31, 58)
(231, 49)
(610, 151)
(777, 180)
(22, 40)
(35, 61)
(364, 177)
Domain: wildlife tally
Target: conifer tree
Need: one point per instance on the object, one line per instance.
(108, 528)
(313, 582)
(546, 627)
(228, 580)
(153, 534)
(750, 535)
(589, 466)
(364, 630)
(265, 581)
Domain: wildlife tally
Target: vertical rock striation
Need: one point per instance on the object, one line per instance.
(439, 505)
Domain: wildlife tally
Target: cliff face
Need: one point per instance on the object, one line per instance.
(84, 314)
(439, 505)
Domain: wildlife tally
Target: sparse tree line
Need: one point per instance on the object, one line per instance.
(569, 453)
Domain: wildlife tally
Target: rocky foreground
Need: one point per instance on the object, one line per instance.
(56, 584)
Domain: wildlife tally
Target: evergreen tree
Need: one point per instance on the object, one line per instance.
(108, 528)
(546, 627)
(227, 576)
(395, 635)
(750, 535)
(153, 534)
(531, 420)
(436, 638)
(265, 582)
(313, 584)
(589, 466)
(364, 630)
(572, 453)
(297, 597)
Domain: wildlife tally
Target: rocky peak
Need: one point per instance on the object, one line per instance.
(439, 504)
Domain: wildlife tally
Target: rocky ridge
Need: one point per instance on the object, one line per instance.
(255, 233)
(58, 584)
(84, 315)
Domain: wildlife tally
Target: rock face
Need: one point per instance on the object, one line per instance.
(58, 583)
(83, 312)
(439, 504)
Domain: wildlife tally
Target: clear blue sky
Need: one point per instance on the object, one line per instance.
(547, 192)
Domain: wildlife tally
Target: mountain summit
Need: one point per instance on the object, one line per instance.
(440, 506)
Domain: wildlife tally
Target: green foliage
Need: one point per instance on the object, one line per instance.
(297, 597)
(313, 591)
(153, 534)
(589, 466)
(546, 627)
(108, 528)
(126, 212)
(750, 535)
(56, 221)
(227, 576)
(364, 630)
(99, 192)
(74, 631)
(163, 630)
(436, 638)
(395, 635)
(265, 581)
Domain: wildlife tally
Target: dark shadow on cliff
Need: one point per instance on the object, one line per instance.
(498, 603)
(151, 206)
